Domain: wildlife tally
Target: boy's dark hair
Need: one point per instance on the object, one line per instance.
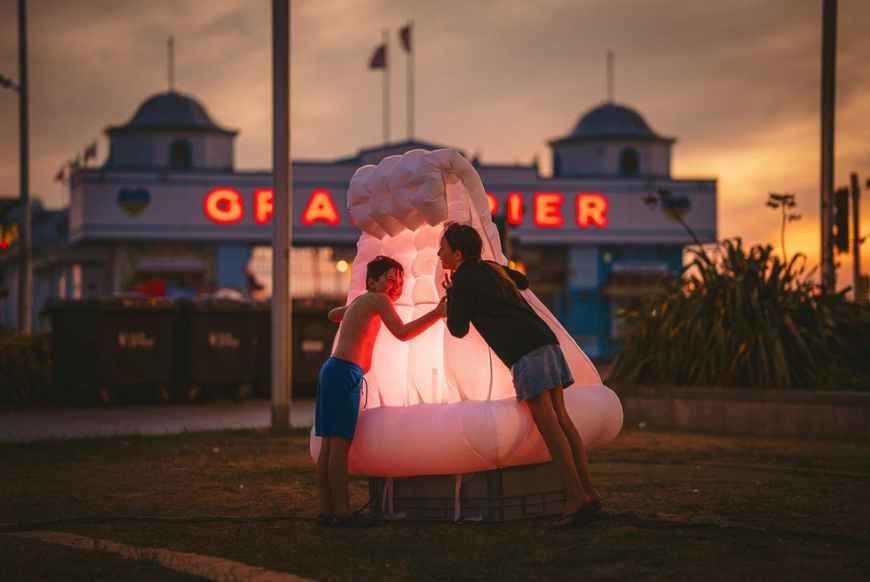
(380, 265)
(466, 240)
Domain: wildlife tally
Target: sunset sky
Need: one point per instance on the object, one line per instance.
(737, 83)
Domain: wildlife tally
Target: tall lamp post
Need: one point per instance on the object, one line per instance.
(25, 273)
(829, 72)
(282, 188)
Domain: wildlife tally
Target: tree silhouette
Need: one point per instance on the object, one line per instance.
(785, 202)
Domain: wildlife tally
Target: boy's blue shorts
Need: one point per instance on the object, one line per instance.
(338, 391)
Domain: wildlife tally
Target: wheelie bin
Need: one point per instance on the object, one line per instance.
(313, 335)
(214, 348)
(110, 344)
(263, 346)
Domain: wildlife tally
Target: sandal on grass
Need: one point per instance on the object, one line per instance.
(585, 515)
(589, 513)
(565, 521)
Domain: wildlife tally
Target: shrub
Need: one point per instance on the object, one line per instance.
(745, 319)
(850, 368)
(25, 367)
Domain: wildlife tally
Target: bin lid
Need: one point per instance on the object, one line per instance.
(215, 304)
(110, 302)
(137, 302)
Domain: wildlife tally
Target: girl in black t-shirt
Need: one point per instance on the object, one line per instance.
(488, 295)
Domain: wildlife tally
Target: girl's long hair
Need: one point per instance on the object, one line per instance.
(466, 240)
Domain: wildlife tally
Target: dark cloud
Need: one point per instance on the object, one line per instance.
(737, 83)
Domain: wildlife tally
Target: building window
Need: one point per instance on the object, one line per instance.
(557, 164)
(315, 272)
(76, 281)
(629, 164)
(179, 154)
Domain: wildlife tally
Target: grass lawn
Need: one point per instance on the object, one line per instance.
(681, 506)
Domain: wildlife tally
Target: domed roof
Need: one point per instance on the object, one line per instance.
(170, 111)
(612, 121)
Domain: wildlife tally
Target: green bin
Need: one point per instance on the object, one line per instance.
(214, 348)
(313, 335)
(111, 343)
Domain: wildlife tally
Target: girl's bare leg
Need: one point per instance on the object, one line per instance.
(544, 415)
(338, 476)
(578, 450)
(322, 473)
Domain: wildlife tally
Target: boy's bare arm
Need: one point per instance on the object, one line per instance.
(337, 314)
(410, 330)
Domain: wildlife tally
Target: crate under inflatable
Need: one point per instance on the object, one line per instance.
(497, 495)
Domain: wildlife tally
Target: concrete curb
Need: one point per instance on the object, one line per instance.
(814, 414)
(40, 424)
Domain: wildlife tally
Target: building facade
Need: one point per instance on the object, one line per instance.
(167, 214)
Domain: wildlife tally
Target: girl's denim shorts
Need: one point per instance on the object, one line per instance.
(540, 370)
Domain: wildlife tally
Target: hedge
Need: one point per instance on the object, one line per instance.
(25, 367)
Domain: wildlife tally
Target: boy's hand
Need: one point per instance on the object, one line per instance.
(447, 283)
(441, 308)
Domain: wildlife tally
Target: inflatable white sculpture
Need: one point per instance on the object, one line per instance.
(440, 405)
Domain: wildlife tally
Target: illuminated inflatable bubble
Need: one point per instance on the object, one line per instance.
(440, 405)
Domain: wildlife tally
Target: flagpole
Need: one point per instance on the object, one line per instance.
(170, 57)
(411, 82)
(611, 78)
(386, 86)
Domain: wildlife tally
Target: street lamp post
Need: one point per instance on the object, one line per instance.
(282, 188)
(25, 272)
(829, 71)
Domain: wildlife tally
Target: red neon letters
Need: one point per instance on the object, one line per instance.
(263, 208)
(592, 209)
(515, 208)
(493, 203)
(548, 209)
(226, 206)
(320, 207)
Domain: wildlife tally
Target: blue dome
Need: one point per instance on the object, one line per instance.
(611, 121)
(170, 111)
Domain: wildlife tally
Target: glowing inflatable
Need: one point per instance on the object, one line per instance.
(437, 404)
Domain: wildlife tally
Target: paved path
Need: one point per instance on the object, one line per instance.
(48, 423)
(211, 568)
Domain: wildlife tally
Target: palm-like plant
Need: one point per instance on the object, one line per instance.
(738, 318)
(784, 202)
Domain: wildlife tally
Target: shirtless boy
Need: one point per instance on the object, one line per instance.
(340, 379)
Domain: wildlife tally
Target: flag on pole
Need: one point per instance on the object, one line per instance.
(59, 176)
(91, 151)
(379, 58)
(379, 61)
(405, 37)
